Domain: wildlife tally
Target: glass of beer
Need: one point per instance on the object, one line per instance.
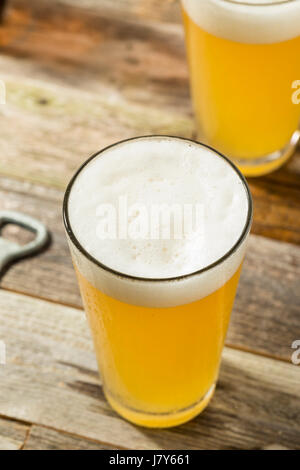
(244, 66)
(157, 228)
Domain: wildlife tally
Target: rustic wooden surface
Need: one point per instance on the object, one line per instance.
(13, 434)
(41, 438)
(256, 404)
(80, 75)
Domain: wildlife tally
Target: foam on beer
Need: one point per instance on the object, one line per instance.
(158, 171)
(251, 21)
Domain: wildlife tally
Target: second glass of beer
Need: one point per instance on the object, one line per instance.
(244, 72)
(157, 228)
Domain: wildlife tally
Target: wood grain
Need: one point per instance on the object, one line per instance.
(48, 439)
(12, 434)
(50, 379)
(54, 138)
(153, 10)
(277, 203)
(81, 74)
(104, 76)
(139, 60)
(266, 315)
(51, 272)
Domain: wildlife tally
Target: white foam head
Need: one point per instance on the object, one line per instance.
(249, 21)
(150, 173)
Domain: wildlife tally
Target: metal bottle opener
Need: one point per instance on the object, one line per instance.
(10, 251)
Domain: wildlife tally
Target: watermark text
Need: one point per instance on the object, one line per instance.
(296, 93)
(296, 354)
(139, 221)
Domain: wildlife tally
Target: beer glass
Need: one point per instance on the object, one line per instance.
(244, 75)
(158, 308)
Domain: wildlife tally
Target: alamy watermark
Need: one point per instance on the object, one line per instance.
(296, 93)
(2, 353)
(140, 221)
(2, 92)
(296, 354)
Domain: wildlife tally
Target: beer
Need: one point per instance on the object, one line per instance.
(243, 60)
(158, 308)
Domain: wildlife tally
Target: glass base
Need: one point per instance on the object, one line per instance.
(161, 420)
(268, 163)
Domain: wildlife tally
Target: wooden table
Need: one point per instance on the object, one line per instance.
(80, 75)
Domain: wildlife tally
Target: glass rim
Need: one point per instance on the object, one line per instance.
(265, 4)
(98, 263)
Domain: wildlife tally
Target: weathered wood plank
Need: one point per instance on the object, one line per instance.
(50, 379)
(277, 203)
(92, 84)
(53, 130)
(137, 59)
(53, 127)
(135, 10)
(51, 272)
(48, 439)
(12, 434)
(266, 314)
(100, 79)
(268, 300)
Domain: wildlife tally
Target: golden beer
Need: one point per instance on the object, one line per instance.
(158, 324)
(159, 360)
(243, 60)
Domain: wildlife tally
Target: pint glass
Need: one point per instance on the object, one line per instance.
(244, 75)
(158, 307)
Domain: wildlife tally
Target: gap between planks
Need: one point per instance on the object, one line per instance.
(268, 285)
(41, 88)
(76, 307)
(67, 396)
(31, 424)
(27, 436)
